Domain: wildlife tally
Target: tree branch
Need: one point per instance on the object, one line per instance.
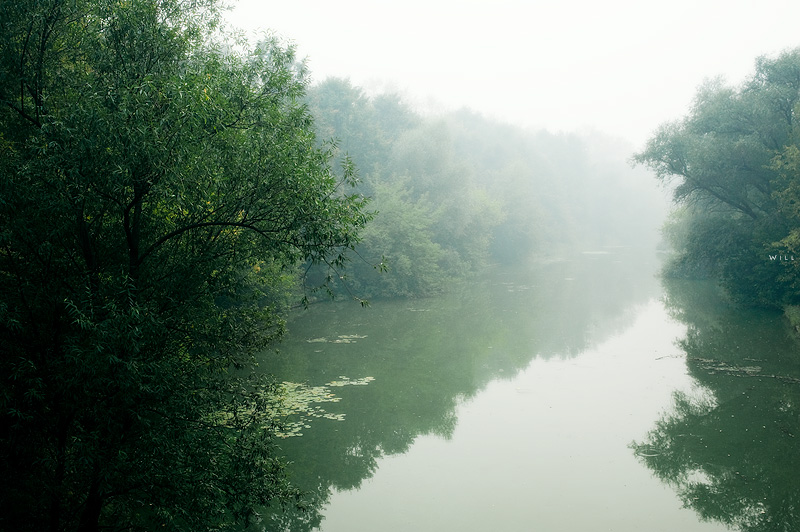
(199, 225)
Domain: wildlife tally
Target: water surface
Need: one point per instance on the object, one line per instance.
(545, 397)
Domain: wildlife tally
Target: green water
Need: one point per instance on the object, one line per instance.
(577, 394)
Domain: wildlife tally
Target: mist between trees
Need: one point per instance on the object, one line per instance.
(458, 191)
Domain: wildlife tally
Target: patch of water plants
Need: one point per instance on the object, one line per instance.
(300, 404)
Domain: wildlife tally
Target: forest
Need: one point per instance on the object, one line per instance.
(170, 192)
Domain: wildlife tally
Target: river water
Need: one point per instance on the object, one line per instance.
(575, 394)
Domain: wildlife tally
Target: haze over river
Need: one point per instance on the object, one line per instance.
(575, 394)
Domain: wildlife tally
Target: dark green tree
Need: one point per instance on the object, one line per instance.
(158, 190)
(731, 163)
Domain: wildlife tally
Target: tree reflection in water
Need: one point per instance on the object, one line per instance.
(731, 448)
(429, 356)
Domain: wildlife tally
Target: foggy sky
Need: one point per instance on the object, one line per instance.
(618, 66)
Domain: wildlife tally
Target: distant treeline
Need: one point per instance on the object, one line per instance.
(457, 191)
(734, 162)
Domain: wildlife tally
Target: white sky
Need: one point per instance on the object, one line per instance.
(618, 66)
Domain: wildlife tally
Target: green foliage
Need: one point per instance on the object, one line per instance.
(459, 191)
(158, 189)
(401, 237)
(434, 223)
(733, 160)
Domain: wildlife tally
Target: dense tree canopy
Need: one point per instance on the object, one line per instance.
(733, 164)
(157, 189)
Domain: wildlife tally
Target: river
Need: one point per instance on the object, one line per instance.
(579, 393)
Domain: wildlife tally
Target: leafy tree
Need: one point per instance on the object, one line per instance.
(731, 159)
(464, 215)
(402, 238)
(434, 222)
(364, 127)
(158, 189)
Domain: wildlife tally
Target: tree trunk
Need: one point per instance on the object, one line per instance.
(90, 517)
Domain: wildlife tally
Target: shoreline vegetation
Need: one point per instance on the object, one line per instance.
(733, 165)
(458, 191)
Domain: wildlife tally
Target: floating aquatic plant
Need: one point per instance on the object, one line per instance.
(346, 381)
(341, 339)
(299, 404)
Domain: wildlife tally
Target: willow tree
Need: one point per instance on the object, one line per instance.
(731, 161)
(158, 187)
